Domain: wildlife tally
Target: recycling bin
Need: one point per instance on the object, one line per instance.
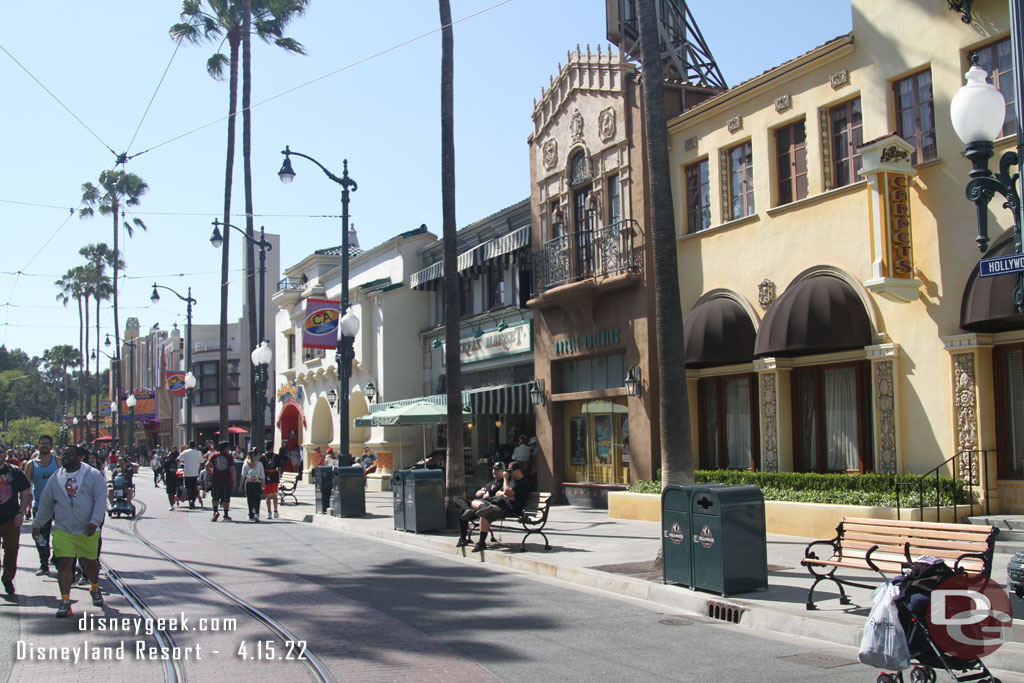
(677, 565)
(349, 496)
(729, 549)
(424, 500)
(323, 477)
(398, 496)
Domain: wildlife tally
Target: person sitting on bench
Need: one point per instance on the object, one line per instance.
(509, 502)
(483, 494)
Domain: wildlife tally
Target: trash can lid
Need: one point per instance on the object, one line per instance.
(711, 498)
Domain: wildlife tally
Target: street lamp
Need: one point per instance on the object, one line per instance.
(131, 400)
(261, 357)
(977, 112)
(346, 340)
(259, 372)
(189, 301)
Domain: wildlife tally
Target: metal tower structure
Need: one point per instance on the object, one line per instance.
(684, 53)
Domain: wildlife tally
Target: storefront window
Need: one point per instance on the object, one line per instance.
(590, 374)
(728, 422)
(831, 415)
(598, 441)
(1009, 375)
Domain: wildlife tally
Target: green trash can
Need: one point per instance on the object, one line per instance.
(729, 548)
(323, 477)
(424, 500)
(677, 564)
(398, 494)
(349, 496)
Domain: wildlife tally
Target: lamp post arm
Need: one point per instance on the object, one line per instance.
(187, 299)
(346, 182)
(261, 242)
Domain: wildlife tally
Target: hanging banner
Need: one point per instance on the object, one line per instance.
(320, 329)
(145, 406)
(105, 412)
(175, 381)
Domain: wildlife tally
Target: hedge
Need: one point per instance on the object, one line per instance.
(844, 489)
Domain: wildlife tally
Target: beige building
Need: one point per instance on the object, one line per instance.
(828, 265)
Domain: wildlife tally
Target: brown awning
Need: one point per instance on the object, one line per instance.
(816, 315)
(987, 304)
(718, 332)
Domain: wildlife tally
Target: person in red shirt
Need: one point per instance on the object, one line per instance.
(222, 478)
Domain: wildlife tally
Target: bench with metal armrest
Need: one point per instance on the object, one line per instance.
(532, 520)
(286, 487)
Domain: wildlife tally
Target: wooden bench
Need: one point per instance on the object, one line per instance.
(286, 487)
(888, 546)
(531, 521)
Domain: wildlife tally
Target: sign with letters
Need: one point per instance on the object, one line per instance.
(1001, 265)
(320, 328)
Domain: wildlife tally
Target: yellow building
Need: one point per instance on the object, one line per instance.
(828, 266)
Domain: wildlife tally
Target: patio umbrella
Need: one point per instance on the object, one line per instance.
(418, 413)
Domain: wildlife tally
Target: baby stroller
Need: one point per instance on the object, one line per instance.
(180, 496)
(121, 506)
(912, 604)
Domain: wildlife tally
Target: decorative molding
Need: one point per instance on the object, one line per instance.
(606, 124)
(783, 102)
(885, 416)
(550, 154)
(967, 342)
(771, 363)
(765, 294)
(825, 129)
(576, 127)
(690, 143)
(769, 411)
(879, 351)
(723, 180)
(839, 79)
(734, 124)
(965, 402)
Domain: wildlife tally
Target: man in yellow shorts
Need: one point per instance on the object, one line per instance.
(75, 498)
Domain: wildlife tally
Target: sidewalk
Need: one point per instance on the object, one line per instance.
(592, 550)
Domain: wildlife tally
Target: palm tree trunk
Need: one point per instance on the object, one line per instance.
(117, 258)
(250, 267)
(455, 475)
(85, 356)
(81, 356)
(222, 369)
(97, 411)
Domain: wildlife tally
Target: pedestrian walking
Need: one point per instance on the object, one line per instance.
(157, 465)
(171, 481)
(15, 499)
(38, 470)
(253, 478)
(74, 498)
(273, 481)
(222, 479)
(191, 460)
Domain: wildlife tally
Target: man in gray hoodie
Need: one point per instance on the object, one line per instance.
(75, 498)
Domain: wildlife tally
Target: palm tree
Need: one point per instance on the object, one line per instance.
(71, 287)
(455, 471)
(229, 21)
(58, 359)
(99, 256)
(116, 190)
(673, 405)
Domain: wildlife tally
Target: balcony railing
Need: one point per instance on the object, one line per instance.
(290, 284)
(585, 254)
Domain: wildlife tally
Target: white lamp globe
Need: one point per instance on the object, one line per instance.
(190, 380)
(349, 325)
(978, 109)
(131, 401)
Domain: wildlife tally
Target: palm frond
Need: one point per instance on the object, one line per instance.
(291, 45)
(215, 65)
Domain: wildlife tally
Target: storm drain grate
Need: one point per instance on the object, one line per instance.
(725, 611)
(821, 660)
(676, 621)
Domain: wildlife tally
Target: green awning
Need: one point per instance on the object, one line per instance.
(419, 413)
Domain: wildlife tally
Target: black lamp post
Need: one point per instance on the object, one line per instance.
(349, 326)
(190, 379)
(262, 354)
(131, 400)
(977, 112)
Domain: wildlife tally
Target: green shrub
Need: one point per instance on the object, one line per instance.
(842, 489)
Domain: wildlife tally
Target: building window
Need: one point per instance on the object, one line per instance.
(205, 393)
(557, 220)
(591, 374)
(1008, 362)
(312, 354)
(578, 171)
(728, 429)
(698, 197)
(846, 136)
(614, 200)
(915, 115)
(791, 162)
(292, 360)
(466, 303)
(997, 60)
(231, 392)
(741, 181)
(495, 288)
(832, 418)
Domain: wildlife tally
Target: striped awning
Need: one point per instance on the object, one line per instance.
(517, 239)
(509, 399)
(474, 260)
(423, 278)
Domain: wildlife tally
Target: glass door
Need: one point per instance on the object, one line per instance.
(597, 434)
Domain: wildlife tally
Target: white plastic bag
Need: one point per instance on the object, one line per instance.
(884, 645)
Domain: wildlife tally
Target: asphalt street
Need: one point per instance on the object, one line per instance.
(375, 610)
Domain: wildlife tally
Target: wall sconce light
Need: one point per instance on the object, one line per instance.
(437, 343)
(497, 423)
(332, 398)
(537, 392)
(371, 391)
(632, 381)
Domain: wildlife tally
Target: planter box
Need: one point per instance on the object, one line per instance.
(811, 520)
(591, 495)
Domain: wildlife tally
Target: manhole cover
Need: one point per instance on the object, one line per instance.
(821, 660)
(675, 622)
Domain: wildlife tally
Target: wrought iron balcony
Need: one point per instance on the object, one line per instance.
(290, 284)
(577, 256)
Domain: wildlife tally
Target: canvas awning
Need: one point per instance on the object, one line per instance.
(987, 304)
(718, 332)
(504, 400)
(418, 413)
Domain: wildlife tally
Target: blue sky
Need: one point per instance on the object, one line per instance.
(367, 91)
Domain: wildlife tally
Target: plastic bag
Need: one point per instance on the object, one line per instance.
(884, 645)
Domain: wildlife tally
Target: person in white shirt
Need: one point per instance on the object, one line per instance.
(254, 477)
(191, 460)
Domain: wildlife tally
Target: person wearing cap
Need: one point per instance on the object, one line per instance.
(483, 494)
(509, 502)
(523, 452)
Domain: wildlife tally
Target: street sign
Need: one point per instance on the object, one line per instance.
(1001, 265)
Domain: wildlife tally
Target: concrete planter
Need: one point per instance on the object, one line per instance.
(590, 495)
(811, 520)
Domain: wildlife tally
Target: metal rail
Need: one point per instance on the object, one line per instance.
(317, 670)
(965, 466)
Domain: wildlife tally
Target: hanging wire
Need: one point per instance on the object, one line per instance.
(160, 83)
